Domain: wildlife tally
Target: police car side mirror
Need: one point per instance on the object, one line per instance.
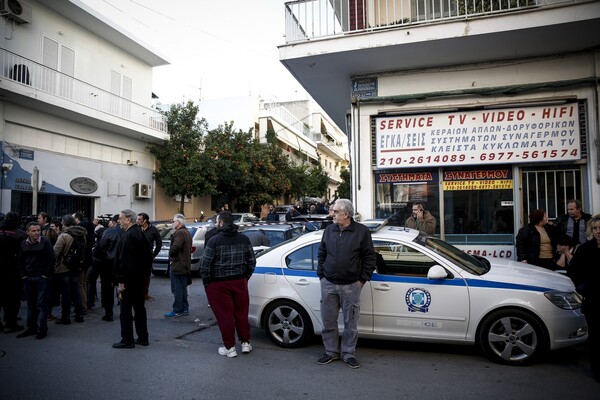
(437, 272)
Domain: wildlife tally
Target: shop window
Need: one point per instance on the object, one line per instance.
(478, 206)
(396, 192)
(550, 190)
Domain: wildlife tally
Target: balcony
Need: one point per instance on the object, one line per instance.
(331, 42)
(36, 86)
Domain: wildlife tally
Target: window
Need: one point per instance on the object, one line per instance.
(399, 259)
(304, 258)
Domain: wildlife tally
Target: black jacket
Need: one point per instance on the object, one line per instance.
(10, 249)
(346, 256)
(37, 259)
(154, 240)
(529, 241)
(105, 251)
(563, 221)
(133, 262)
(585, 274)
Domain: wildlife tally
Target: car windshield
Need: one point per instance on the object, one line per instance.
(466, 261)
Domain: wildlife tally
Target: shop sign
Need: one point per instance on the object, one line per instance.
(494, 251)
(84, 185)
(499, 136)
(483, 179)
(364, 87)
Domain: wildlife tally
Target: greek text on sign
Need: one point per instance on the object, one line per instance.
(515, 135)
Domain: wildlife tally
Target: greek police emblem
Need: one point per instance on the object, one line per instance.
(418, 300)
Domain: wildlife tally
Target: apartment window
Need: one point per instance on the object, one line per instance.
(60, 60)
(121, 86)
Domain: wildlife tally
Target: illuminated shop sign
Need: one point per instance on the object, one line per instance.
(512, 135)
(493, 179)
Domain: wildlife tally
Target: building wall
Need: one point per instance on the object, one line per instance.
(63, 148)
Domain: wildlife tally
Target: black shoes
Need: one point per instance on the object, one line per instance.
(26, 333)
(326, 359)
(142, 342)
(41, 335)
(121, 345)
(79, 319)
(62, 321)
(107, 318)
(352, 362)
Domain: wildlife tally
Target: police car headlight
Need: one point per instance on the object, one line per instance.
(565, 300)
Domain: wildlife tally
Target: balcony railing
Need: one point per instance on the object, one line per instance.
(289, 119)
(48, 80)
(310, 19)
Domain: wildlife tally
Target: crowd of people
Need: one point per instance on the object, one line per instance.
(40, 265)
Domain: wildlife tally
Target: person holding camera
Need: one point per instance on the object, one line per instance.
(421, 219)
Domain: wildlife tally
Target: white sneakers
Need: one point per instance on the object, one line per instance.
(224, 351)
(246, 347)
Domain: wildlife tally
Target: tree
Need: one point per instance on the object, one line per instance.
(183, 167)
(343, 190)
(307, 180)
(248, 171)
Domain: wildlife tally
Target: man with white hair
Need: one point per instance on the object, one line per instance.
(346, 261)
(180, 257)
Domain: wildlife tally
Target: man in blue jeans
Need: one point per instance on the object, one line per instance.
(37, 264)
(180, 257)
(346, 261)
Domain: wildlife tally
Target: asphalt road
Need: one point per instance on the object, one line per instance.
(77, 362)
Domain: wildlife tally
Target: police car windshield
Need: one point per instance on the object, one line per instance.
(466, 261)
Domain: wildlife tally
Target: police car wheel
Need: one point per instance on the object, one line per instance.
(287, 324)
(512, 337)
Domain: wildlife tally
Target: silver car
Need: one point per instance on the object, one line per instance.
(197, 230)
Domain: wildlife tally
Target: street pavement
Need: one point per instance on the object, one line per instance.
(77, 362)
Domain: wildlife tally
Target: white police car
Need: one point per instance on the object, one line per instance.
(423, 290)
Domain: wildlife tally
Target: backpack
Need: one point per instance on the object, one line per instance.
(74, 258)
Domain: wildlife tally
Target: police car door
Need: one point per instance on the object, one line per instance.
(408, 304)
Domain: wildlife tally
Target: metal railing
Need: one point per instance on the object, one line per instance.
(289, 119)
(308, 19)
(48, 80)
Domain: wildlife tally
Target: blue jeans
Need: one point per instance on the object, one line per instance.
(179, 284)
(334, 297)
(37, 290)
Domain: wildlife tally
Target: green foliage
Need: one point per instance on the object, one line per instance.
(307, 180)
(249, 171)
(183, 168)
(343, 190)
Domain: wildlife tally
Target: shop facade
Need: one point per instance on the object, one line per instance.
(478, 160)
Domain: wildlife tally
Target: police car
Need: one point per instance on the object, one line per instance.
(425, 290)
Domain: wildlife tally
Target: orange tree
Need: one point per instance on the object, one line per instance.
(248, 171)
(183, 167)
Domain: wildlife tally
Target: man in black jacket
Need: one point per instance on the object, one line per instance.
(37, 265)
(132, 268)
(154, 240)
(346, 261)
(573, 223)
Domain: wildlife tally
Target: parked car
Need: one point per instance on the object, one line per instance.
(277, 232)
(197, 230)
(244, 218)
(313, 222)
(425, 290)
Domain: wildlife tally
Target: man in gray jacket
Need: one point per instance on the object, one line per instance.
(180, 256)
(346, 261)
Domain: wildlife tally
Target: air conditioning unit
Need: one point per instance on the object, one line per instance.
(143, 191)
(15, 10)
